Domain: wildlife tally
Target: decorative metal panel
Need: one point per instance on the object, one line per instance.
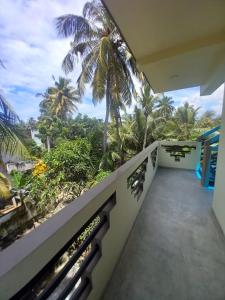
(75, 261)
(154, 157)
(136, 180)
(178, 151)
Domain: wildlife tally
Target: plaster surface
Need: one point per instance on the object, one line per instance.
(176, 249)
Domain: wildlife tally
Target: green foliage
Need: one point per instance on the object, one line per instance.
(23, 131)
(165, 107)
(19, 179)
(79, 127)
(59, 100)
(16, 179)
(71, 159)
(4, 187)
(182, 123)
(101, 175)
(69, 168)
(85, 234)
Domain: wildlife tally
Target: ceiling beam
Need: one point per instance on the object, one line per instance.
(215, 79)
(182, 48)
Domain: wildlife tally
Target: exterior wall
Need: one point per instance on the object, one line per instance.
(21, 166)
(219, 193)
(14, 222)
(190, 161)
(31, 253)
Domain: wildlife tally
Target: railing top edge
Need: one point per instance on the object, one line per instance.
(124, 168)
(178, 142)
(23, 247)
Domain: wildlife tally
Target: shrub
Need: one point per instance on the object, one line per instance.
(63, 175)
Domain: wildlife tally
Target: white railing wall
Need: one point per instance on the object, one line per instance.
(21, 261)
(190, 160)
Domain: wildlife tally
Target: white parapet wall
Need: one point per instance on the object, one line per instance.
(219, 193)
(21, 166)
(179, 154)
(21, 261)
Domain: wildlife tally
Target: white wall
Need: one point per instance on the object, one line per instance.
(190, 160)
(219, 193)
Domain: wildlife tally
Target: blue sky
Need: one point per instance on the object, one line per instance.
(32, 53)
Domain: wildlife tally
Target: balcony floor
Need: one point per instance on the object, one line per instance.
(176, 249)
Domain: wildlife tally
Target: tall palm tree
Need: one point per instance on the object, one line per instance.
(165, 107)
(106, 61)
(58, 103)
(183, 123)
(147, 101)
(31, 126)
(62, 98)
(207, 119)
(45, 104)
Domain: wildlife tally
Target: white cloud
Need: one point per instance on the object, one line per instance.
(192, 95)
(32, 52)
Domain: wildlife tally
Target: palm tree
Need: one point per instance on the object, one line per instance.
(147, 102)
(62, 98)
(45, 104)
(122, 150)
(165, 107)
(207, 120)
(31, 126)
(106, 61)
(49, 128)
(9, 142)
(183, 123)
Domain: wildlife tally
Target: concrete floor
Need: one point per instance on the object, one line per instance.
(176, 249)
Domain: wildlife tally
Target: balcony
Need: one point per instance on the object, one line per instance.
(176, 249)
(155, 237)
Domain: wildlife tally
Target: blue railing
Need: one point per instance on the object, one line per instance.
(208, 159)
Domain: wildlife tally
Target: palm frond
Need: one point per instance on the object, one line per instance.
(69, 24)
(93, 11)
(10, 143)
(88, 66)
(98, 83)
(7, 114)
(4, 187)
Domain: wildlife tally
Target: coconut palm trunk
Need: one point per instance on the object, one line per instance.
(48, 143)
(145, 134)
(106, 123)
(119, 141)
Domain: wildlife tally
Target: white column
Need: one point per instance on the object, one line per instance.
(219, 193)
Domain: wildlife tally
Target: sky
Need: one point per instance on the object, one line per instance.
(32, 52)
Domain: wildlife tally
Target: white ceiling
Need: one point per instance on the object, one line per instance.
(176, 43)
